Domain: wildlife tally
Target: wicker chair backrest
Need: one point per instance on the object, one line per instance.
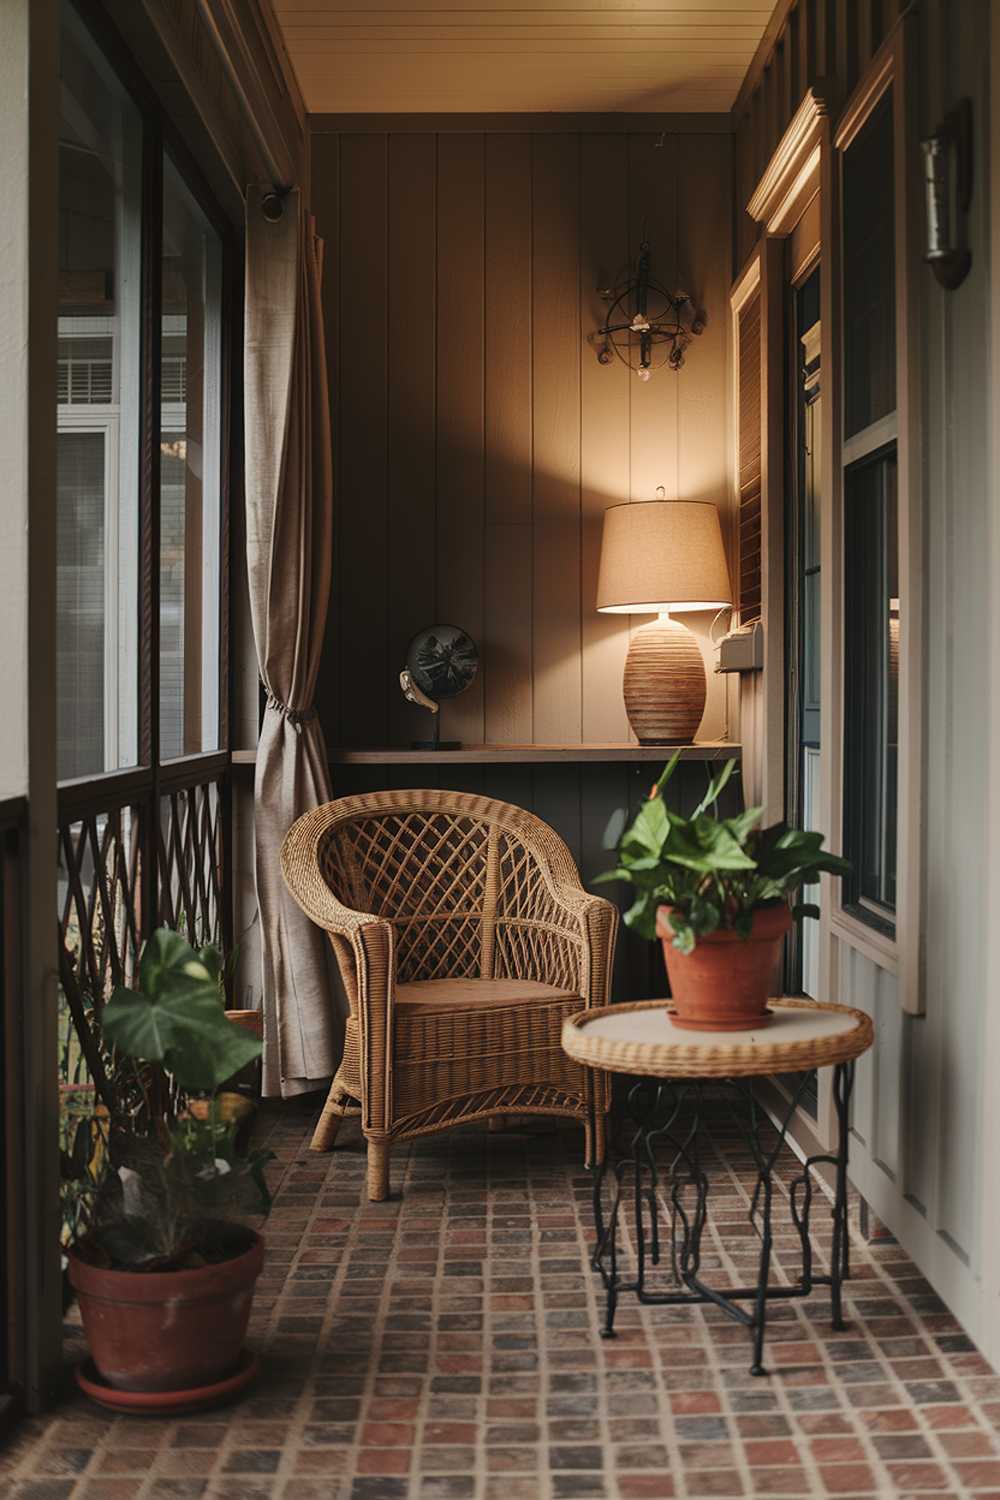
(463, 888)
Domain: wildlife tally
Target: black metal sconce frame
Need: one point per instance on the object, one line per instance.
(634, 328)
(947, 158)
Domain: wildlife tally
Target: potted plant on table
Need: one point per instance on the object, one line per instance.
(717, 892)
(163, 1271)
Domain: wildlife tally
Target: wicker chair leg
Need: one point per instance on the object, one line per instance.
(378, 1170)
(334, 1110)
(595, 1140)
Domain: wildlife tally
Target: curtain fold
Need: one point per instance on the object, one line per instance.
(289, 507)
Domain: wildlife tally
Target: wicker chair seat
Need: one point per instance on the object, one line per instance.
(464, 940)
(472, 994)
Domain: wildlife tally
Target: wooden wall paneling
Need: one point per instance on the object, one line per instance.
(786, 59)
(556, 357)
(963, 984)
(769, 84)
(807, 46)
(645, 975)
(772, 526)
(512, 783)
(846, 44)
(361, 583)
(793, 58)
(605, 391)
(412, 539)
(325, 205)
(508, 440)
(703, 175)
(556, 799)
(652, 213)
(603, 793)
(460, 432)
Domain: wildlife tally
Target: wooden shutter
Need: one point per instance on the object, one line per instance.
(749, 428)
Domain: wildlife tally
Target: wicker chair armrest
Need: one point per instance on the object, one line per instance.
(601, 921)
(371, 942)
(303, 877)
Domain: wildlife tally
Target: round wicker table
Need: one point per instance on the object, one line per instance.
(674, 1069)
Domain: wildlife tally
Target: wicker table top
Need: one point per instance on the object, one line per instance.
(640, 1039)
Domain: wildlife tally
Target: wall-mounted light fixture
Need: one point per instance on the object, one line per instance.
(948, 184)
(646, 326)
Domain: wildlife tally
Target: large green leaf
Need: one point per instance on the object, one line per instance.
(147, 1029)
(648, 830)
(169, 964)
(177, 1016)
(202, 1059)
(705, 845)
(641, 915)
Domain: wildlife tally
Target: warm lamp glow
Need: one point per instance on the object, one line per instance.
(662, 555)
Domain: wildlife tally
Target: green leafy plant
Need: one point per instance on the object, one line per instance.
(712, 872)
(160, 1200)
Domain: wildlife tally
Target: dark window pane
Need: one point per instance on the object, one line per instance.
(190, 474)
(869, 284)
(871, 681)
(97, 529)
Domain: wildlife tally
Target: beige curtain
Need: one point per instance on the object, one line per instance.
(289, 504)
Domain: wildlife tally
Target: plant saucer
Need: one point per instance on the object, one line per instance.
(166, 1403)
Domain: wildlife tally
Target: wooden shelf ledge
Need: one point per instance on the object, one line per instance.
(494, 755)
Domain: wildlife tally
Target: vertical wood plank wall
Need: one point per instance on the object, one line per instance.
(478, 441)
(919, 1156)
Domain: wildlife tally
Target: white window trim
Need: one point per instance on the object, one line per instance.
(901, 954)
(104, 420)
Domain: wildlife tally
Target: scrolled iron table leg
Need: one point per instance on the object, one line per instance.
(655, 1111)
(840, 1250)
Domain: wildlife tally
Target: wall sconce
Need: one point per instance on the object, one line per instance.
(646, 326)
(948, 184)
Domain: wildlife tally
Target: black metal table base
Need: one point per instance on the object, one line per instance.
(668, 1113)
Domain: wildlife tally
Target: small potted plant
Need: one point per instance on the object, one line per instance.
(717, 892)
(163, 1271)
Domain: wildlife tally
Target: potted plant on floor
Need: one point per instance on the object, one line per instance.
(717, 892)
(163, 1270)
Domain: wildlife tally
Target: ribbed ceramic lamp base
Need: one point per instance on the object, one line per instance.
(664, 684)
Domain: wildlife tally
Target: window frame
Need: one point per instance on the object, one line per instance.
(151, 778)
(900, 951)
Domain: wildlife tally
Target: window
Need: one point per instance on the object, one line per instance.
(190, 474)
(871, 657)
(871, 599)
(142, 573)
(100, 245)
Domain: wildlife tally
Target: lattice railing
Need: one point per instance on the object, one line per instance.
(122, 872)
(191, 869)
(100, 927)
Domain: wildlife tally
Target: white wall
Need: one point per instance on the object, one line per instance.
(920, 1155)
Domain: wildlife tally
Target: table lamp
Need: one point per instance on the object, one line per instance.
(663, 557)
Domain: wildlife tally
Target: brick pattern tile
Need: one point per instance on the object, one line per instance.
(445, 1346)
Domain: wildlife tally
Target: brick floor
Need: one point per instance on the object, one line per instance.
(444, 1346)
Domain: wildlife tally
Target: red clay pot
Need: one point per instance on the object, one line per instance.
(724, 984)
(167, 1330)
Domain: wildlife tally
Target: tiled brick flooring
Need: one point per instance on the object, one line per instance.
(445, 1346)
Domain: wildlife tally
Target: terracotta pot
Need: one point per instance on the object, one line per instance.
(724, 984)
(167, 1330)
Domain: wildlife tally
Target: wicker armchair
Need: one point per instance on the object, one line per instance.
(464, 939)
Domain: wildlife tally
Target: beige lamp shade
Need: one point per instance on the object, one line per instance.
(660, 555)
